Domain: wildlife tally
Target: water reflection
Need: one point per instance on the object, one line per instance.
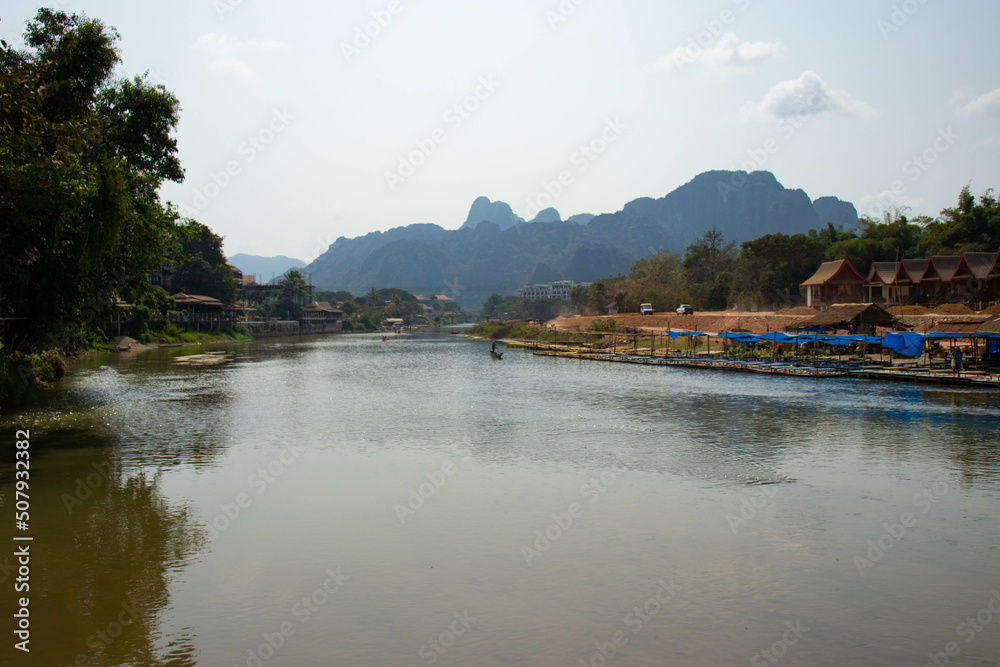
(374, 419)
(107, 545)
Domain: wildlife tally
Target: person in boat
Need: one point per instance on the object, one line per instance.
(493, 350)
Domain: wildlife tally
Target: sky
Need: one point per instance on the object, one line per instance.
(304, 122)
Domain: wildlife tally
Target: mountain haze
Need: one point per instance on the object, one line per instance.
(265, 268)
(497, 251)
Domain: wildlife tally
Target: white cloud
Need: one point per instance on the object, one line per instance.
(809, 95)
(224, 49)
(726, 54)
(987, 105)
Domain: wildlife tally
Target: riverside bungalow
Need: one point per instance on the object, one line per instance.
(834, 282)
(199, 308)
(972, 278)
(882, 283)
(321, 311)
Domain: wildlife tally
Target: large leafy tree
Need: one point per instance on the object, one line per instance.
(199, 265)
(82, 156)
(771, 269)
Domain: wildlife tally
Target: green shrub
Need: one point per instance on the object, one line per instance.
(604, 325)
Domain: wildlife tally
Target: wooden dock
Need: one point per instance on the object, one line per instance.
(974, 378)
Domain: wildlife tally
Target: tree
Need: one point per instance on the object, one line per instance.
(709, 257)
(968, 227)
(199, 265)
(493, 306)
(82, 157)
(578, 298)
(771, 269)
(707, 265)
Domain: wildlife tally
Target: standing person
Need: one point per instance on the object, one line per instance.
(494, 348)
(956, 360)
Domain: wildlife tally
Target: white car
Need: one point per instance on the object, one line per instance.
(685, 309)
(646, 309)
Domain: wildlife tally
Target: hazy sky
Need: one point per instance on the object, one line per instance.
(303, 122)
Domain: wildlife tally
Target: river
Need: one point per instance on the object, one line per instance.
(342, 500)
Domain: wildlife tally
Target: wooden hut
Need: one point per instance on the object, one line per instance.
(858, 318)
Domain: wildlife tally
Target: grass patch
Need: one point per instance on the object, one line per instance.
(171, 334)
(521, 331)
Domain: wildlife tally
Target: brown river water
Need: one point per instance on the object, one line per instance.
(344, 501)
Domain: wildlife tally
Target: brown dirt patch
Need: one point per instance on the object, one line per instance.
(800, 310)
(709, 322)
(992, 310)
(953, 309)
(909, 310)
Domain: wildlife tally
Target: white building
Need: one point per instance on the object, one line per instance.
(558, 290)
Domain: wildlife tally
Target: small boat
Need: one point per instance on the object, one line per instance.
(496, 355)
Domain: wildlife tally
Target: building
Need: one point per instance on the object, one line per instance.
(856, 318)
(972, 278)
(834, 282)
(321, 311)
(558, 290)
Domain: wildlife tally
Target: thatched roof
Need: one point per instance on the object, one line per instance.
(840, 272)
(851, 315)
(969, 325)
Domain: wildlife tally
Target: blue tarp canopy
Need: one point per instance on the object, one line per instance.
(907, 344)
(785, 338)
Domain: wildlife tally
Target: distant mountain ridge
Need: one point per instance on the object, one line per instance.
(497, 251)
(265, 268)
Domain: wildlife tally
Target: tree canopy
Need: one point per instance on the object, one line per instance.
(82, 155)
